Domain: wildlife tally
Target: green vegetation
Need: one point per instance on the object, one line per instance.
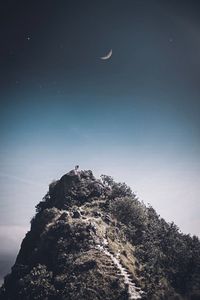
(59, 258)
(169, 258)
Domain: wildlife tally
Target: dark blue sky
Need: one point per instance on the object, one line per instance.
(134, 116)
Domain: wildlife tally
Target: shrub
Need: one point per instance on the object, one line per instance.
(132, 213)
(37, 284)
(117, 189)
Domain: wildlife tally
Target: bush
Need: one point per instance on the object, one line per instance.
(37, 284)
(132, 213)
(117, 189)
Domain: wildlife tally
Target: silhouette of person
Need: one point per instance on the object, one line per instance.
(76, 170)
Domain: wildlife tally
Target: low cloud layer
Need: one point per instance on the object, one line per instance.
(11, 238)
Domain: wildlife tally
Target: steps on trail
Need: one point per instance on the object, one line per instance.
(134, 292)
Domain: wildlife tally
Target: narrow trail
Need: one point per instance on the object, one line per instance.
(49, 225)
(53, 221)
(134, 292)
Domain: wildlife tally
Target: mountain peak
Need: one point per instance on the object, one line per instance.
(73, 188)
(93, 239)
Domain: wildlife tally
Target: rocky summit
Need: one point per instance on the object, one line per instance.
(93, 239)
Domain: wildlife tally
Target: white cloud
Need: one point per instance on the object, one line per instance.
(11, 238)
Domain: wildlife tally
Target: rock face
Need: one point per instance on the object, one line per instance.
(83, 245)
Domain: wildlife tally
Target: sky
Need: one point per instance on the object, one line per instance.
(134, 116)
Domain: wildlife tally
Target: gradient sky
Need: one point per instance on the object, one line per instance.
(134, 117)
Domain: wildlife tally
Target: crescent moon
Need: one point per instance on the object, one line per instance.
(107, 56)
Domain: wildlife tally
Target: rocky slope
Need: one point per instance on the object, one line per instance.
(93, 239)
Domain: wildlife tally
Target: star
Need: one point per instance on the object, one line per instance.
(28, 38)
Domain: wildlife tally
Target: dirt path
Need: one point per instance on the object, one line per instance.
(134, 292)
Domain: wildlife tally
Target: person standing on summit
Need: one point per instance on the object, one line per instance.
(76, 170)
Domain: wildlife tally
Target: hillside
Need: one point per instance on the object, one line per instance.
(93, 239)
